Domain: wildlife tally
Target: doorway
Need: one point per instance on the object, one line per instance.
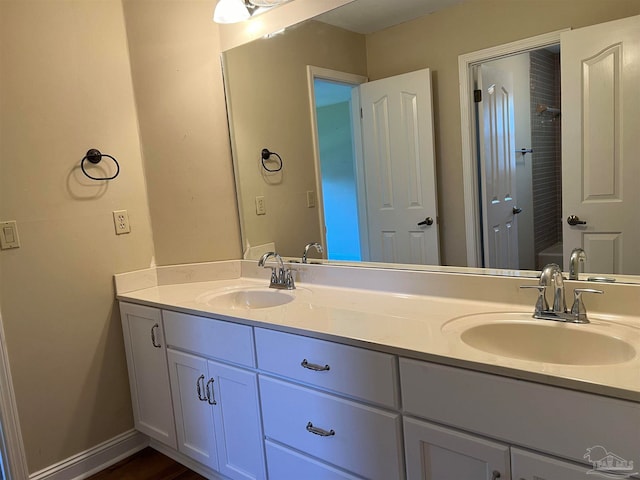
(534, 158)
(471, 172)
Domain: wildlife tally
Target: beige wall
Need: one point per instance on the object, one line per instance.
(436, 41)
(270, 102)
(175, 60)
(66, 87)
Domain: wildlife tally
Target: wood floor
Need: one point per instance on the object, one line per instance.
(147, 464)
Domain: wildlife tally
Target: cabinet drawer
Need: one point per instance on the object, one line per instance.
(361, 439)
(353, 371)
(544, 418)
(285, 463)
(531, 466)
(208, 337)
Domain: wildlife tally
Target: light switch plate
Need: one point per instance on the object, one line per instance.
(311, 199)
(261, 207)
(9, 235)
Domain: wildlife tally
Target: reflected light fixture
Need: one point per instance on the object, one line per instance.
(234, 11)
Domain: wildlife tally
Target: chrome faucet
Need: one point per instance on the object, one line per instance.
(316, 245)
(281, 278)
(577, 256)
(551, 275)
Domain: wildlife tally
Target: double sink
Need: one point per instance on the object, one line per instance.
(503, 334)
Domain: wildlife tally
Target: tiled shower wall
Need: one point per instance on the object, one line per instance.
(545, 139)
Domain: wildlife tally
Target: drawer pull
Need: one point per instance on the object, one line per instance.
(314, 366)
(199, 389)
(319, 431)
(210, 393)
(153, 336)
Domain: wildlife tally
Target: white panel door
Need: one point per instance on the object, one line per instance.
(148, 374)
(194, 418)
(237, 421)
(496, 136)
(438, 453)
(600, 144)
(399, 169)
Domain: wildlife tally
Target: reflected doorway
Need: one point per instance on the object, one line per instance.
(336, 146)
(535, 156)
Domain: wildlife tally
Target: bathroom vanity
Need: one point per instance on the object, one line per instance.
(240, 381)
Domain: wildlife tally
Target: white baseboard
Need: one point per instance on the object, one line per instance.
(85, 464)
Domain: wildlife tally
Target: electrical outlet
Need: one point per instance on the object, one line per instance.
(311, 199)
(121, 222)
(261, 208)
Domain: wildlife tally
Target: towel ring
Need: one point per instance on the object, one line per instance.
(95, 156)
(266, 155)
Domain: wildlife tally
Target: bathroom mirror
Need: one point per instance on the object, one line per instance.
(267, 86)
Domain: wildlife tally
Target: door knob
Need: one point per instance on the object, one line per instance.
(516, 210)
(575, 220)
(426, 221)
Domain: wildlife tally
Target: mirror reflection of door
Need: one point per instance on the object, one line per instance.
(536, 154)
(399, 164)
(601, 71)
(376, 167)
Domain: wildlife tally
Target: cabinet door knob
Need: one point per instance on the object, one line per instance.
(153, 336)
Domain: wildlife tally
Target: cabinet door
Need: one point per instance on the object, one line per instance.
(194, 417)
(237, 421)
(148, 374)
(434, 452)
(531, 466)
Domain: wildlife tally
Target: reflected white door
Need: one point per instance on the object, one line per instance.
(601, 144)
(399, 167)
(496, 134)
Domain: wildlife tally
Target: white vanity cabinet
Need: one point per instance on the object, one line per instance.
(492, 421)
(216, 403)
(311, 427)
(148, 376)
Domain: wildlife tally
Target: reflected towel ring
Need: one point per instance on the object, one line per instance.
(266, 155)
(95, 156)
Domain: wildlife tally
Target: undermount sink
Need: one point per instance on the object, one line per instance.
(249, 299)
(545, 341)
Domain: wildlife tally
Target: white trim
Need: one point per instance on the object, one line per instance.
(11, 445)
(342, 77)
(95, 459)
(467, 119)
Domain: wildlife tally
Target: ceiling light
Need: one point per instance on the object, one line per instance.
(230, 11)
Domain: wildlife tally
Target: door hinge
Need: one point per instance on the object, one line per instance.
(361, 114)
(477, 96)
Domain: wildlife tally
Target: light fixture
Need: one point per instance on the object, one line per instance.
(234, 11)
(231, 11)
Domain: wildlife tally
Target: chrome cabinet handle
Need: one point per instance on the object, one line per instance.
(153, 336)
(199, 389)
(314, 366)
(210, 394)
(319, 431)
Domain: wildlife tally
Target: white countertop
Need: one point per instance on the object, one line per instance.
(411, 325)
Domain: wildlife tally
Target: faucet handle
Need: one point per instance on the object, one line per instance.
(578, 310)
(541, 303)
